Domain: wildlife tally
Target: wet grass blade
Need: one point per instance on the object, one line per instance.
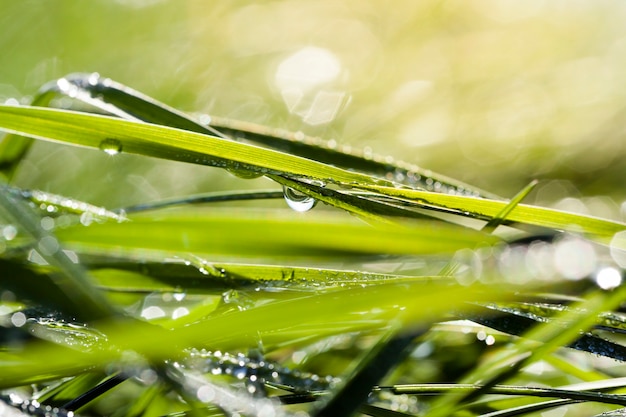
(598, 229)
(116, 135)
(276, 324)
(552, 335)
(163, 142)
(117, 275)
(122, 101)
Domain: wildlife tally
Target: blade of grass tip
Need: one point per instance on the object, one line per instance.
(73, 281)
(122, 101)
(552, 334)
(391, 350)
(492, 224)
(601, 230)
(451, 267)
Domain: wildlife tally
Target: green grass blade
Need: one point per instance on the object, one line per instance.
(117, 135)
(319, 316)
(275, 234)
(601, 230)
(502, 215)
(120, 100)
(551, 335)
(202, 277)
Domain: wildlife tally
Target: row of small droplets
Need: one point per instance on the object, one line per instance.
(21, 407)
(397, 171)
(244, 367)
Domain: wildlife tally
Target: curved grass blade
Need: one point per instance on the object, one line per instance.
(117, 99)
(614, 413)
(345, 157)
(36, 288)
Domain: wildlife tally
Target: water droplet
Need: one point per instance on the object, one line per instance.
(239, 372)
(298, 201)
(93, 79)
(111, 146)
(205, 393)
(608, 278)
(18, 319)
(9, 232)
(48, 245)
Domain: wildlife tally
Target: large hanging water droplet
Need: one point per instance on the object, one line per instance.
(111, 146)
(297, 200)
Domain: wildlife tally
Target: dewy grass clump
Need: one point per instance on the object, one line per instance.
(432, 298)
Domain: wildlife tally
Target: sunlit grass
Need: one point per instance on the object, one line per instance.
(150, 265)
(161, 293)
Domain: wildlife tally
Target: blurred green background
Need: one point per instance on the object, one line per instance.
(492, 92)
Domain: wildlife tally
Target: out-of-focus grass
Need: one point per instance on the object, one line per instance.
(493, 93)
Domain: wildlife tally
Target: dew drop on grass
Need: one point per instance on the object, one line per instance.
(298, 201)
(111, 146)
